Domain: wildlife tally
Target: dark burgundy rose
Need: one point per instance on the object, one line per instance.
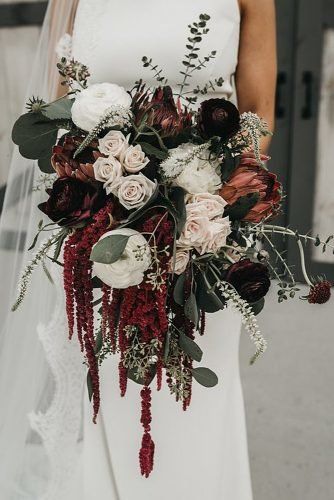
(218, 117)
(250, 279)
(71, 201)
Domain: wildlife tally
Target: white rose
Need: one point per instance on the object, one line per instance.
(195, 232)
(91, 103)
(133, 191)
(133, 159)
(181, 261)
(199, 177)
(219, 230)
(211, 205)
(108, 170)
(113, 143)
(129, 269)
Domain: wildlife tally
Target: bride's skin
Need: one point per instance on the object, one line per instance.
(257, 65)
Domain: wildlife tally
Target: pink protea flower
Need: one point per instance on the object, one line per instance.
(248, 178)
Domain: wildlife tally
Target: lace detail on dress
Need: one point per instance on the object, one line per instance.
(59, 427)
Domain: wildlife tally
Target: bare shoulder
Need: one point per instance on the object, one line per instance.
(263, 7)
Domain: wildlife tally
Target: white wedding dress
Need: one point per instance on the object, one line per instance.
(200, 453)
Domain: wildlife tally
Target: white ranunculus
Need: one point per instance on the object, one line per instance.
(113, 143)
(133, 159)
(92, 103)
(181, 261)
(211, 205)
(133, 191)
(129, 269)
(199, 176)
(108, 170)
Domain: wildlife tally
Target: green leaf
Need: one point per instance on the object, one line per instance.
(109, 249)
(242, 206)
(153, 151)
(89, 386)
(191, 309)
(44, 164)
(177, 197)
(58, 110)
(229, 164)
(205, 376)
(258, 306)
(35, 135)
(208, 300)
(178, 293)
(190, 347)
(133, 375)
(98, 342)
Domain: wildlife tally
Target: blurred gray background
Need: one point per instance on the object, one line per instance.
(288, 393)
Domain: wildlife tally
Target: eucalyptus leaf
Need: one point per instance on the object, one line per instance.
(205, 376)
(258, 306)
(44, 164)
(178, 293)
(35, 135)
(191, 309)
(98, 342)
(153, 151)
(89, 386)
(190, 347)
(109, 249)
(58, 110)
(208, 300)
(229, 164)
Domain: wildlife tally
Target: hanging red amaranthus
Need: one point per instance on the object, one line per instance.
(79, 291)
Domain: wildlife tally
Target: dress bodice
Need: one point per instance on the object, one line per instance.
(111, 39)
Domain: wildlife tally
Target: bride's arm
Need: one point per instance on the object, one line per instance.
(257, 65)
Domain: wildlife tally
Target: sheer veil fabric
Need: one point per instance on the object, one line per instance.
(27, 379)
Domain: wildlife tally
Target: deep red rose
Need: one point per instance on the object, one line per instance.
(170, 118)
(218, 117)
(71, 201)
(250, 279)
(66, 166)
(249, 177)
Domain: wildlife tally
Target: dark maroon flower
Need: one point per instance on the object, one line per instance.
(320, 293)
(250, 279)
(66, 166)
(71, 201)
(170, 118)
(218, 117)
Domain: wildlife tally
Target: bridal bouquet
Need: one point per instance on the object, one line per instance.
(162, 212)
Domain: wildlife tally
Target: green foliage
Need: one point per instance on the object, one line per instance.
(178, 293)
(58, 110)
(242, 206)
(190, 347)
(109, 249)
(147, 63)
(205, 376)
(191, 309)
(36, 135)
(153, 151)
(258, 306)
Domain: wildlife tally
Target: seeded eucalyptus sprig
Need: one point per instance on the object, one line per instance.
(191, 60)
